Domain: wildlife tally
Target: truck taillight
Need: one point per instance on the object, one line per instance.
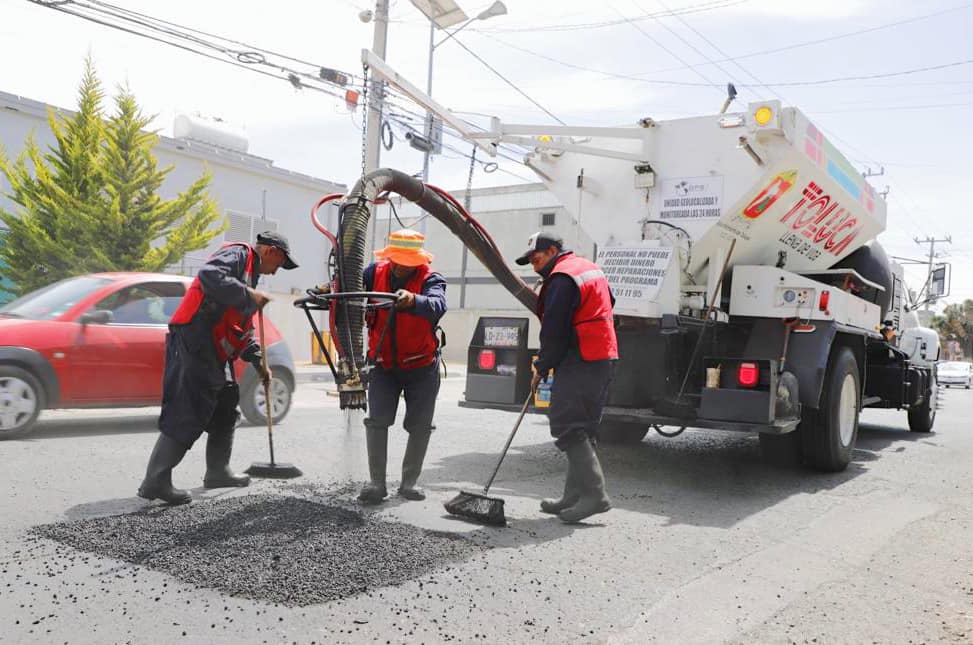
(486, 359)
(748, 374)
(824, 300)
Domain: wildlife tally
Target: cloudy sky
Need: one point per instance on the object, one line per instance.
(590, 63)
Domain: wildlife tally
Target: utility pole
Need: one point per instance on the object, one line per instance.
(932, 242)
(376, 94)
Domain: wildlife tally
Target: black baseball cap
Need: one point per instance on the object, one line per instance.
(540, 242)
(271, 238)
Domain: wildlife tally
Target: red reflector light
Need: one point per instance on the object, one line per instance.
(824, 300)
(748, 375)
(487, 359)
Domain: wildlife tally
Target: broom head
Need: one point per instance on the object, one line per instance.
(477, 507)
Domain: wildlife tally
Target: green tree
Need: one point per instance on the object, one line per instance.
(956, 323)
(90, 203)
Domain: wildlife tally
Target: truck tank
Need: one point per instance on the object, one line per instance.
(767, 178)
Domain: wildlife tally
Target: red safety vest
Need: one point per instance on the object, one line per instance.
(233, 332)
(593, 319)
(413, 338)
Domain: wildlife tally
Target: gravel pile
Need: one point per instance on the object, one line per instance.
(275, 549)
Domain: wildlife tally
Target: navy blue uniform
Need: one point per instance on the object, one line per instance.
(580, 387)
(195, 392)
(420, 385)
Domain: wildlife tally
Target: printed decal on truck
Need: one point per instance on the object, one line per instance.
(774, 191)
(692, 198)
(818, 224)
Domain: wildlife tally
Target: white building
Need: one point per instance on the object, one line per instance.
(250, 190)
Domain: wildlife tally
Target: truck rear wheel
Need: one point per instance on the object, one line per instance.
(923, 416)
(622, 432)
(828, 434)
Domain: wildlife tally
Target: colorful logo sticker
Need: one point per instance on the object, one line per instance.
(777, 187)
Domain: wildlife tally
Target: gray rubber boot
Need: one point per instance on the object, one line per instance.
(377, 442)
(415, 454)
(157, 484)
(568, 498)
(591, 483)
(219, 447)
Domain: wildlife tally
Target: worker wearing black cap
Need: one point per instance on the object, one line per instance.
(212, 327)
(578, 342)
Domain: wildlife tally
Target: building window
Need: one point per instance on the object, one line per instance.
(547, 219)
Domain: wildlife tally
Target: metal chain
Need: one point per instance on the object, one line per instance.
(468, 199)
(364, 120)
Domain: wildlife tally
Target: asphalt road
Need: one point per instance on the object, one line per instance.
(706, 543)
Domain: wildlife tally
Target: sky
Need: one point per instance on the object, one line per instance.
(587, 63)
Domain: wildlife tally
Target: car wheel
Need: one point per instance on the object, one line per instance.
(253, 403)
(21, 401)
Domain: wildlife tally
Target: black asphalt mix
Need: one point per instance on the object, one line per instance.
(270, 548)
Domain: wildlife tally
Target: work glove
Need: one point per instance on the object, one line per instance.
(265, 375)
(259, 298)
(404, 300)
(321, 289)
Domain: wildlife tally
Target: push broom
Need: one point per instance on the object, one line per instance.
(271, 470)
(480, 507)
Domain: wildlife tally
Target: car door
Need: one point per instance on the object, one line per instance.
(121, 360)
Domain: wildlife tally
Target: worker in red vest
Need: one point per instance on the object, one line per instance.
(212, 327)
(577, 341)
(406, 359)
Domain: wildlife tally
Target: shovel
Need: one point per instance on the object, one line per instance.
(271, 470)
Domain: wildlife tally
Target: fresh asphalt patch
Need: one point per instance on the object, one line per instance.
(268, 548)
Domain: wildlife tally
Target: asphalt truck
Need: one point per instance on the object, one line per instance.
(751, 292)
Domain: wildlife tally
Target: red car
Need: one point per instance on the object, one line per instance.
(98, 341)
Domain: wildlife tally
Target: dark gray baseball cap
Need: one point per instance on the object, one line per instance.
(540, 241)
(272, 238)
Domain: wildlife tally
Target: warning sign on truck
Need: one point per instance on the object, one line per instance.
(635, 274)
(691, 198)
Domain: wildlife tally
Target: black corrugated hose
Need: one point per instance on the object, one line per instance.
(353, 224)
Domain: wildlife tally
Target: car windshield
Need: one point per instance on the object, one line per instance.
(954, 366)
(53, 300)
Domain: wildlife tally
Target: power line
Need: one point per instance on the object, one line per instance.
(705, 6)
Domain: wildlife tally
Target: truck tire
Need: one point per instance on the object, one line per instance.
(622, 432)
(923, 416)
(21, 401)
(782, 449)
(253, 403)
(828, 434)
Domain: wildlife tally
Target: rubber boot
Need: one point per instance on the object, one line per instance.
(568, 497)
(157, 484)
(591, 483)
(219, 447)
(377, 442)
(415, 454)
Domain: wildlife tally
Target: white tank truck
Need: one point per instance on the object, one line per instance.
(751, 294)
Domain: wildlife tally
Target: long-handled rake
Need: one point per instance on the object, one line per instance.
(479, 507)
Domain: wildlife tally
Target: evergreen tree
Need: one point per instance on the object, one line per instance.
(91, 203)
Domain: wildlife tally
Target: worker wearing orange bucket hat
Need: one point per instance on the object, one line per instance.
(406, 359)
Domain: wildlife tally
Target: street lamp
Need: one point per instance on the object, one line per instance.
(443, 14)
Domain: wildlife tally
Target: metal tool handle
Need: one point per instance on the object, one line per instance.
(523, 411)
(263, 363)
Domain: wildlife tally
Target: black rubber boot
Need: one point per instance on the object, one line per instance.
(591, 483)
(568, 498)
(415, 454)
(219, 447)
(157, 484)
(377, 442)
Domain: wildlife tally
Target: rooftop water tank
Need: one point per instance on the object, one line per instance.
(216, 134)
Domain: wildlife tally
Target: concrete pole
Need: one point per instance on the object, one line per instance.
(373, 145)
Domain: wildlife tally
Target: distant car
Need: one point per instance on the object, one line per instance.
(98, 341)
(955, 373)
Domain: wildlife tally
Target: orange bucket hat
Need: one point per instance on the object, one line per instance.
(405, 248)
